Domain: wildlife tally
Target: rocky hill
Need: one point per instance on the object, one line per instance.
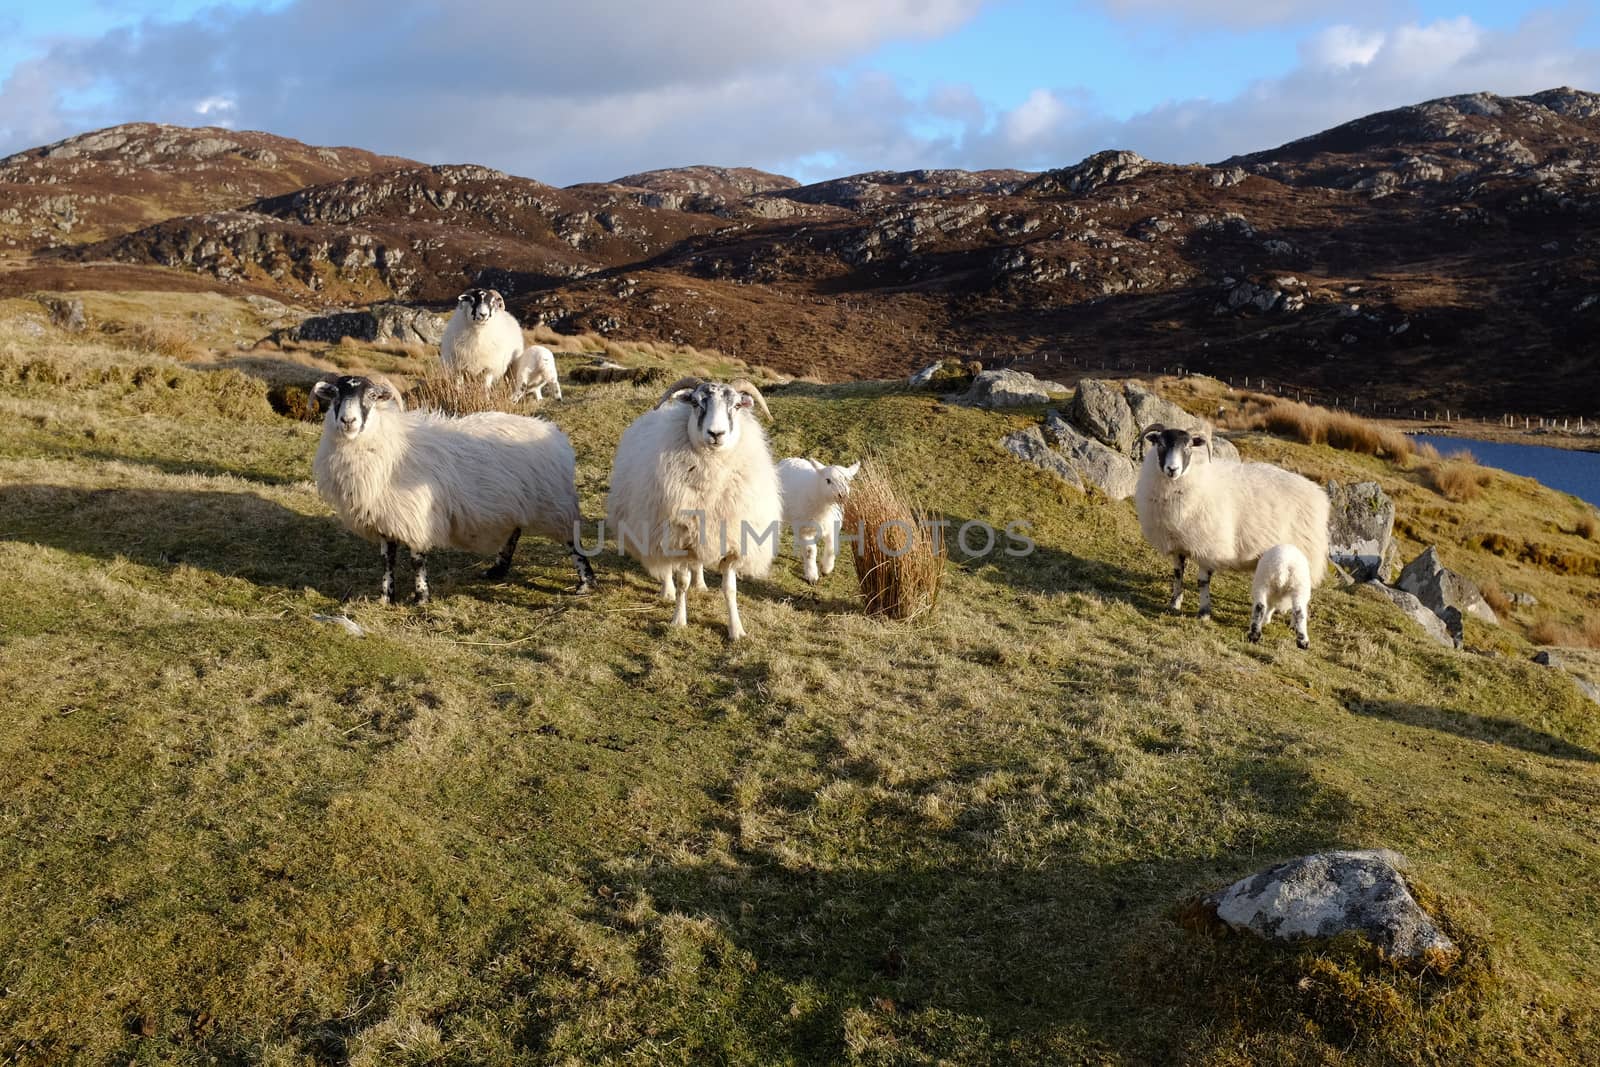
(1443, 253)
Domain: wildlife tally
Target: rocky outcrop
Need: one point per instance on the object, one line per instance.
(1101, 410)
(1437, 628)
(1361, 531)
(1330, 893)
(379, 324)
(1009, 389)
(1440, 588)
(1030, 445)
(1108, 470)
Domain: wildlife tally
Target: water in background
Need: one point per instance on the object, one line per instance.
(1572, 472)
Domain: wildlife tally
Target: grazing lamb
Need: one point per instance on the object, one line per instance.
(1221, 514)
(427, 481)
(693, 485)
(813, 496)
(482, 340)
(535, 369)
(1282, 583)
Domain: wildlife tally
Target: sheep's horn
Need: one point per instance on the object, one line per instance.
(1154, 427)
(687, 382)
(742, 385)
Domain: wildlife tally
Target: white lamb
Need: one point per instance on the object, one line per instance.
(813, 498)
(693, 485)
(1221, 514)
(482, 340)
(427, 481)
(535, 369)
(1282, 583)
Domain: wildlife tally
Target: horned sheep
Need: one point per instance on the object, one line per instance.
(482, 340)
(430, 481)
(693, 485)
(1221, 514)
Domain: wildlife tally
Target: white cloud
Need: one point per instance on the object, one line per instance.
(1238, 14)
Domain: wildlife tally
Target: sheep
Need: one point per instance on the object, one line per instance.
(427, 481)
(812, 499)
(535, 369)
(1282, 583)
(693, 485)
(482, 340)
(1223, 514)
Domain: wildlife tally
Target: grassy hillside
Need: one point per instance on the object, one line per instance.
(521, 826)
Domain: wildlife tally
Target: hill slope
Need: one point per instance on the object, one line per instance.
(521, 826)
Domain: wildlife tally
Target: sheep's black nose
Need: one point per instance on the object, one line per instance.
(715, 435)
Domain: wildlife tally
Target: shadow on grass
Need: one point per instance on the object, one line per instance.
(236, 535)
(1466, 724)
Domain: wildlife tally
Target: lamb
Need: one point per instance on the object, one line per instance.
(1282, 583)
(1221, 514)
(535, 369)
(813, 496)
(482, 340)
(693, 485)
(427, 481)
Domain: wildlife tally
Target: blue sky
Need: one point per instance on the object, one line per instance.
(566, 92)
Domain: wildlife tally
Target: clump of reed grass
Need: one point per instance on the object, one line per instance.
(899, 555)
(1458, 479)
(440, 390)
(1313, 425)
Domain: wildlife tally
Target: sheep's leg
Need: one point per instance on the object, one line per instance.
(1298, 618)
(488, 382)
(669, 589)
(681, 617)
(1178, 564)
(700, 576)
(830, 549)
(538, 392)
(1205, 595)
(420, 563)
(556, 385)
(391, 552)
(809, 556)
(730, 590)
(502, 562)
(1258, 619)
(585, 571)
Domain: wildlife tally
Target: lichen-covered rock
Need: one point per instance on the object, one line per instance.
(1439, 587)
(1148, 409)
(1100, 410)
(1030, 445)
(379, 324)
(1113, 473)
(1418, 613)
(1009, 388)
(1330, 893)
(1361, 531)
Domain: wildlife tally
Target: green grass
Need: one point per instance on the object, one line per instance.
(520, 826)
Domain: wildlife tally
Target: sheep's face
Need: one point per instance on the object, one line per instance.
(1175, 450)
(481, 305)
(836, 479)
(715, 421)
(351, 401)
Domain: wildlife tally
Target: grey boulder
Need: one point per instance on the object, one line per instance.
(1100, 410)
(1031, 446)
(1009, 388)
(1361, 531)
(1436, 627)
(1330, 893)
(1148, 409)
(379, 324)
(1113, 473)
(1439, 587)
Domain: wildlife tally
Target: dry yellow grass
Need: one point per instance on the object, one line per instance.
(454, 395)
(1588, 526)
(1457, 479)
(1319, 426)
(1496, 597)
(1548, 631)
(899, 560)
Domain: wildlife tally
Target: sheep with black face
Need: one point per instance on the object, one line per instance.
(428, 481)
(693, 485)
(482, 341)
(1221, 514)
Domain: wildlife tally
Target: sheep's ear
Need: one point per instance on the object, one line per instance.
(814, 464)
(854, 469)
(1200, 440)
(326, 392)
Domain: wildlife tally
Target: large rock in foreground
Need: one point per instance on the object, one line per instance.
(1030, 445)
(1008, 389)
(1100, 410)
(1330, 893)
(1361, 531)
(1439, 588)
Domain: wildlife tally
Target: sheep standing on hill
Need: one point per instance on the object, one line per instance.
(813, 498)
(535, 370)
(428, 481)
(1282, 583)
(482, 340)
(1223, 515)
(693, 485)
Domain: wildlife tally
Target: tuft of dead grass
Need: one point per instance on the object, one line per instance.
(898, 556)
(439, 390)
(1319, 426)
(1457, 479)
(1550, 631)
(1496, 597)
(1588, 526)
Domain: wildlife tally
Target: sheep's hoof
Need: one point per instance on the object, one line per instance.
(420, 600)
(583, 587)
(497, 572)
(1255, 637)
(1175, 604)
(736, 635)
(1204, 616)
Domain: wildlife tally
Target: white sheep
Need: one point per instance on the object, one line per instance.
(482, 340)
(813, 496)
(427, 481)
(1221, 514)
(693, 485)
(535, 369)
(1282, 583)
